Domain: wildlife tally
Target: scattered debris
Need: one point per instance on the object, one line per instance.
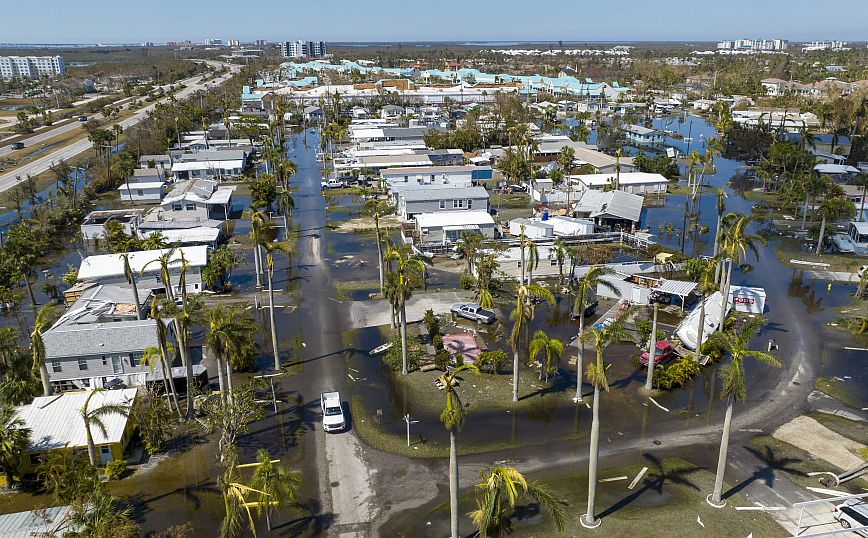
(657, 404)
(613, 479)
(638, 478)
(699, 520)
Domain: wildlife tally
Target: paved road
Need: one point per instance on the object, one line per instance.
(40, 165)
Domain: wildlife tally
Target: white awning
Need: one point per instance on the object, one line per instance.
(675, 287)
(457, 227)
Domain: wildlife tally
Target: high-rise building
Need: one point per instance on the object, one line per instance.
(31, 67)
(233, 42)
(754, 45)
(303, 49)
(260, 42)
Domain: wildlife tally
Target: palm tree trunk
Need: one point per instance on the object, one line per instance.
(43, 375)
(727, 280)
(721, 458)
(404, 370)
(220, 381)
(515, 373)
(822, 232)
(701, 329)
(91, 447)
(172, 390)
(580, 356)
(136, 298)
(29, 290)
(227, 367)
(652, 352)
(453, 483)
(188, 365)
(256, 266)
(716, 251)
(379, 253)
(274, 344)
(805, 212)
(592, 457)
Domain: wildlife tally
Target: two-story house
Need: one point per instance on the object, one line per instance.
(195, 200)
(145, 185)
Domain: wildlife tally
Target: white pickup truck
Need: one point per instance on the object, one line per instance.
(473, 312)
(333, 419)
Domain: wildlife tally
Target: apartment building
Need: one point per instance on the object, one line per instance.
(32, 67)
(303, 49)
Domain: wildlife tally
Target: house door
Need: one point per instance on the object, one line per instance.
(636, 296)
(105, 454)
(117, 364)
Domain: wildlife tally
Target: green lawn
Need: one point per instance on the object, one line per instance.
(848, 393)
(669, 501)
(850, 429)
(795, 463)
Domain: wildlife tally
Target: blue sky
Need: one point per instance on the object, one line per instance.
(125, 21)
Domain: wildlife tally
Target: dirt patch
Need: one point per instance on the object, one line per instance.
(367, 223)
(811, 436)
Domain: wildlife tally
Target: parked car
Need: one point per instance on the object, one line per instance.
(603, 324)
(663, 352)
(333, 419)
(18, 145)
(82, 119)
(332, 184)
(474, 312)
(851, 514)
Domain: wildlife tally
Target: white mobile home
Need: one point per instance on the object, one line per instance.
(568, 226)
(430, 175)
(93, 225)
(631, 182)
(109, 268)
(533, 229)
(440, 198)
(447, 228)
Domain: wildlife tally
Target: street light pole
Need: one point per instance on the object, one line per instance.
(408, 421)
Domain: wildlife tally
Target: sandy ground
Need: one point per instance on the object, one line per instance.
(809, 435)
(350, 484)
(376, 313)
(367, 223)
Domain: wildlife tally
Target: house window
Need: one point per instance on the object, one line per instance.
(104, 360)
(82, 364)
(136, 359)
(457, 204)
(55, 366)
(191, 207)
(140, 192)
(177, 206)
(469, 204)
(36, 459)
(442, 204)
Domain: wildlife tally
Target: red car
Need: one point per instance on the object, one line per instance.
(662, 354)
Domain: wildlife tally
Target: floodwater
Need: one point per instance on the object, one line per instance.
(315, 335)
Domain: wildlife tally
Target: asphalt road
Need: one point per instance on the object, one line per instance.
(40, 165)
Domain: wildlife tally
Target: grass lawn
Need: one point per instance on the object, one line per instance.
(837, 262)
(850, 429)
(849, 393)
(668, 501)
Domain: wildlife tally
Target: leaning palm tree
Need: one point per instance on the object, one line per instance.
(94, 417)
(551, 347)
(277, 484)
(375, 207)
(736, 344)
(408, 268)
(453, 419)
(521, 316)
(37, 346)
(130, 275)
(587, 284)
(497, 494)
(596, 374)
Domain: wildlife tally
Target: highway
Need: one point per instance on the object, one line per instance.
(40, 165)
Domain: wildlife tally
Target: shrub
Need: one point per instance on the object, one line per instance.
(437, 342)
(115, 470)
(431, 323)
(441, 359)
(492, 361)
(392, 358)
(676, 373)
(467, 282)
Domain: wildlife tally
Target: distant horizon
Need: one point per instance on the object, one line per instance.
(453, 21)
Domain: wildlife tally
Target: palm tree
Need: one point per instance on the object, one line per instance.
(553, 349)
(14, 439)
(167, 350)
(164, 260)
(735, 343)
(561, 251)
(834, 206)
(814, 186)
(596, 374)
(230, 332)
(453, 419)
(566, 157)
(95, 417)
(497, 494)
(257, 224)
(588, 283)
(521, 315)
(270, 249)
(375, 207)
(276, 484)
(285, 204)
(408, 268)
(862, 181)
(735, 244)
(130, 275)
(37, 346)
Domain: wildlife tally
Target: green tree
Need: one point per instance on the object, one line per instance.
(736, 343)
(270, 249)
(496, 496)
(37, 346)
(735, 244)
(522, 314)
(552, 349)
(586, 285)
(277, 484)
(409, 269)
(14, 440)
(230, 336)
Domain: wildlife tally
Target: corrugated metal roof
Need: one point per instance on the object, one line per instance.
(612, 204)
(35, 523)
(680, 288)
(56, 422)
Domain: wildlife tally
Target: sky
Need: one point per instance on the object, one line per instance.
(125, 21)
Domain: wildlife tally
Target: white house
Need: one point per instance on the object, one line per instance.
(640, 135)
(391, 112)
(631, 182)
(93, 225)
(568, 226)
(109, 268)
(533, 228)
(447, 228)
(440, 198)
(509, 263)
(145, 185)
(195, 200)
(430, 175)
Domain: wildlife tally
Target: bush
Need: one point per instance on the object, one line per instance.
(676, 373)
(431, 323)
(492, 361)
(437, 342)
(115, 470)
(467, 282)
(441, 359)
(392, 358)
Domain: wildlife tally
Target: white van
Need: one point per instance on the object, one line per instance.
(853, 514)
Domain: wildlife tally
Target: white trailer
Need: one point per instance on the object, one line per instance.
(748, 299)
(533, 229)
(688, 329)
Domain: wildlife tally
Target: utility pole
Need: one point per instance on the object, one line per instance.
(408, 421)
(652, 352)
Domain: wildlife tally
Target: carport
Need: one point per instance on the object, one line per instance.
(679, 288)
